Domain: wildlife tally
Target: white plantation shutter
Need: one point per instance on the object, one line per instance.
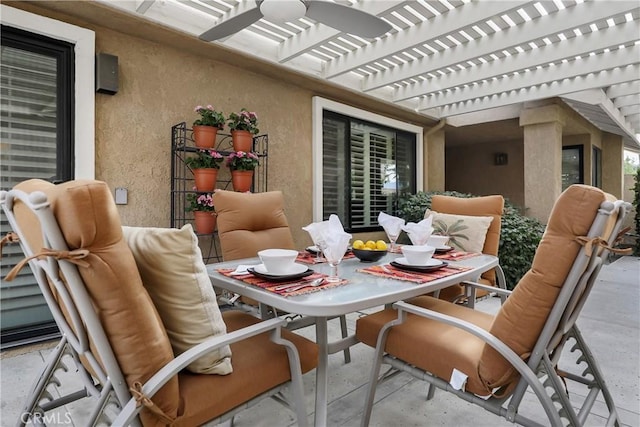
(28, 149)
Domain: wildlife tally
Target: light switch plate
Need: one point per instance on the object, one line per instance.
(121, 196)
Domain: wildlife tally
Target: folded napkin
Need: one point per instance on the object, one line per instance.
(392, 225)
(419, 233)
(330, 237)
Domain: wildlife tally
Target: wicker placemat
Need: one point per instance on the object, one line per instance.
(270, 286)
(392, 272)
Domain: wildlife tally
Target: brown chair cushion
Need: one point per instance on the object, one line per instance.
(519, 323)
(251, 222)
(429, 345)
(258, 365)
(88, 219)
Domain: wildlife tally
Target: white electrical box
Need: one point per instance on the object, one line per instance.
(121, 196)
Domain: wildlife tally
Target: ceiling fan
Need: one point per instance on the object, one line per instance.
(343, 18)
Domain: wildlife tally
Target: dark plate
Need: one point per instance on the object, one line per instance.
(444, 250)
(420, 268)
(283, 278)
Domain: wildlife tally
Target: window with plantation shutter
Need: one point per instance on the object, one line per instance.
(366, 166)
(36, 142)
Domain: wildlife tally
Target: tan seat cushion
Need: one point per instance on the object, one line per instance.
(251, 222)
(258, 365)
(519, 323)
(172, 270)
(88, 219)
(429, 345)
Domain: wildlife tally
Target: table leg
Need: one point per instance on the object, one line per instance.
(321, 372)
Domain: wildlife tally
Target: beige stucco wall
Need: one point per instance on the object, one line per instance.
(162, 77)
(471, 169)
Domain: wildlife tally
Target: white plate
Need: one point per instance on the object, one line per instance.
(444, 248)
(296, 269)
(430, 263)
(312, 249)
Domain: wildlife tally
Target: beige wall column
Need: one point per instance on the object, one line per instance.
(542, 159)
(434, 160)
(612, 164)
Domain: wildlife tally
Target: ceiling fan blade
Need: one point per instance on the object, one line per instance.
(346, 19)
(232, 25)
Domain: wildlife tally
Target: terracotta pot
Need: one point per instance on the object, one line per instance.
(242, 180)
(205, 136)
(205, 222)
(205, 179)
(242, 140)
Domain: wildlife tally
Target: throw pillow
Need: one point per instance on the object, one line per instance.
(172, 270)
(466, 233)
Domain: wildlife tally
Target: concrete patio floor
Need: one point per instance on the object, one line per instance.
(610, 323)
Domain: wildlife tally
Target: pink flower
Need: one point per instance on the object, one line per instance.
(198, 108)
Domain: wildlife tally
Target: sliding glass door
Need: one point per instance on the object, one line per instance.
(36, 142)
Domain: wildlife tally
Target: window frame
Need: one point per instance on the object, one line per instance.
(319, 105)
(84, 72)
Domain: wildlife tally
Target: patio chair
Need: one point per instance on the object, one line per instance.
(485, 206)
(251, 222)
(478, 356)
(117, 333)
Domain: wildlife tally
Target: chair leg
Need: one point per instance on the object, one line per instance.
(598, 379)
(375, 370)
(431, 391)
(45, 378)
(345, 334)
(371, 388)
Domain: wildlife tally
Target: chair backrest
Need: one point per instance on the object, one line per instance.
(101, 304)
(476, 206)
(562, 270)
(251, 222)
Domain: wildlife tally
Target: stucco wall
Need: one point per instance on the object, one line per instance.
(471, 169)
(159, 86)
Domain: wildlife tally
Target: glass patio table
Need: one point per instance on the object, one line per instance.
(362, 291)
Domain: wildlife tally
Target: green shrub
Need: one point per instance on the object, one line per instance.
(519, 235)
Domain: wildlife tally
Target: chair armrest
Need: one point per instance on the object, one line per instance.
(130, 411)
(488, 288)
(505, 351)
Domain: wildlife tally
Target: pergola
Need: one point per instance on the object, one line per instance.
(458, 60)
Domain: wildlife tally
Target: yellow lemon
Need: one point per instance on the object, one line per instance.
(370, 244)
(381, 245)
(366, 248)
(358, 244)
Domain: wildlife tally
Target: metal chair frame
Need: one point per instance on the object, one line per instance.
(540, 371)
(81, 330)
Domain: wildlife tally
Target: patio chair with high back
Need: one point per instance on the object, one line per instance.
(125, 303)
(484, 216)
(492, 360)
(251, 222)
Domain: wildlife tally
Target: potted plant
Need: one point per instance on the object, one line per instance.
(201, 204)
(242, 164)
(243, 126)
(205, 129)
(205, 167)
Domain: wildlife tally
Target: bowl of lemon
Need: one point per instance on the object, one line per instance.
(369, 251)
